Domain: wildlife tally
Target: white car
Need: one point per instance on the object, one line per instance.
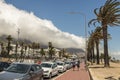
(68, 64)
(61, 66)
(50, 69)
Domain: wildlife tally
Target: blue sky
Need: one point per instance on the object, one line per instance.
(57, 11)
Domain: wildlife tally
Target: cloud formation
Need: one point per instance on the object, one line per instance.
(115, 54)
(35, 28)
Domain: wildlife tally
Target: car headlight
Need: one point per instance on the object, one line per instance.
(46, 71)
(61, 67)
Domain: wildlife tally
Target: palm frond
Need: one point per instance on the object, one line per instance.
(92, 22)
(95, 11)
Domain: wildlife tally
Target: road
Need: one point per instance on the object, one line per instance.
(81, 74)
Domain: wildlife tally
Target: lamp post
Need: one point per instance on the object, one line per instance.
(85, 27)
(17, 43)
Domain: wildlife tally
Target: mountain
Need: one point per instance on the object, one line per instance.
(74, 50)
(70, 50)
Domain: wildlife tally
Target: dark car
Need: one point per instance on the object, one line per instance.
(22, 71)
(4, 65)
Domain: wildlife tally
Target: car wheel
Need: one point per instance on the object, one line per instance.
(57, 73)
(50, 76)
(41, 78)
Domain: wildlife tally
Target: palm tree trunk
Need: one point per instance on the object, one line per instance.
(91, 57)
(93, 54)
(97, 49)
(106, 57)
(8, 48)
(88, 55)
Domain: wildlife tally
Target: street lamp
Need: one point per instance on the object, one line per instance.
(85, 33)
(17, 43)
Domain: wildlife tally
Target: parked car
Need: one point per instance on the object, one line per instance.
(50, 69)
(22, 71)
(61, 66)
(68, 64)
(4, 65)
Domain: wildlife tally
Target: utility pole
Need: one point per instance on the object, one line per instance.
(17, 43)
(85, 27)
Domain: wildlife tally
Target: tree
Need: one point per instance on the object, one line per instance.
(97, 35)
(42, 52)
(60, 54)
(107, 15)
(91, 45)
(9, 39)
(33, 47)
(63, 52)
(3, 51)
(16, 50)
(26, 47)
(22, 51)
(51, 50)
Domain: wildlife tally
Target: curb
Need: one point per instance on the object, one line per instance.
(91, 78)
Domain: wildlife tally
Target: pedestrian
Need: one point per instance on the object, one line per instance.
(78, 64)
(39, 62)
(73, 65)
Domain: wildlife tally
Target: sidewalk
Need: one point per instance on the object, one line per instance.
(99, 72)
(80, 74)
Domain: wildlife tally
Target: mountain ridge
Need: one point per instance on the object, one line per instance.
(70, 50)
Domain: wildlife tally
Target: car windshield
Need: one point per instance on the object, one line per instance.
(46, 65)
(4, 64)
(58, 63)
(18, 68)
(67, 62)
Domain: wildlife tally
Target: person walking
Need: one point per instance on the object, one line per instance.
(78, 64)
(73, 65)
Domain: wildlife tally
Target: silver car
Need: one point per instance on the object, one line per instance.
(50, 69)
(22, 71)
(61, 66)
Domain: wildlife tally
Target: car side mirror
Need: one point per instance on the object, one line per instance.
(31, 72)
(4, 69)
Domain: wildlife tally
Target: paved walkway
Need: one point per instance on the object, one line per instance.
(80, 74)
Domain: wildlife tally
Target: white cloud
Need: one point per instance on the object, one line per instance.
(34, 28)
(115, 53)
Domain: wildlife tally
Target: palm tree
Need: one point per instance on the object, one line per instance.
(91, 45)
(3, 54)
(9, 39)
(26, 47)
(92, 48)
(107, 15)
(33, 47)
(97, 35)
(63, 52)
(42, 52)
(50, 49)
(60, 54)
(89, 50)
(16, 50)
(22, 51)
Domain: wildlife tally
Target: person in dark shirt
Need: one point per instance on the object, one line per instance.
(78, 64)
(73, 65)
